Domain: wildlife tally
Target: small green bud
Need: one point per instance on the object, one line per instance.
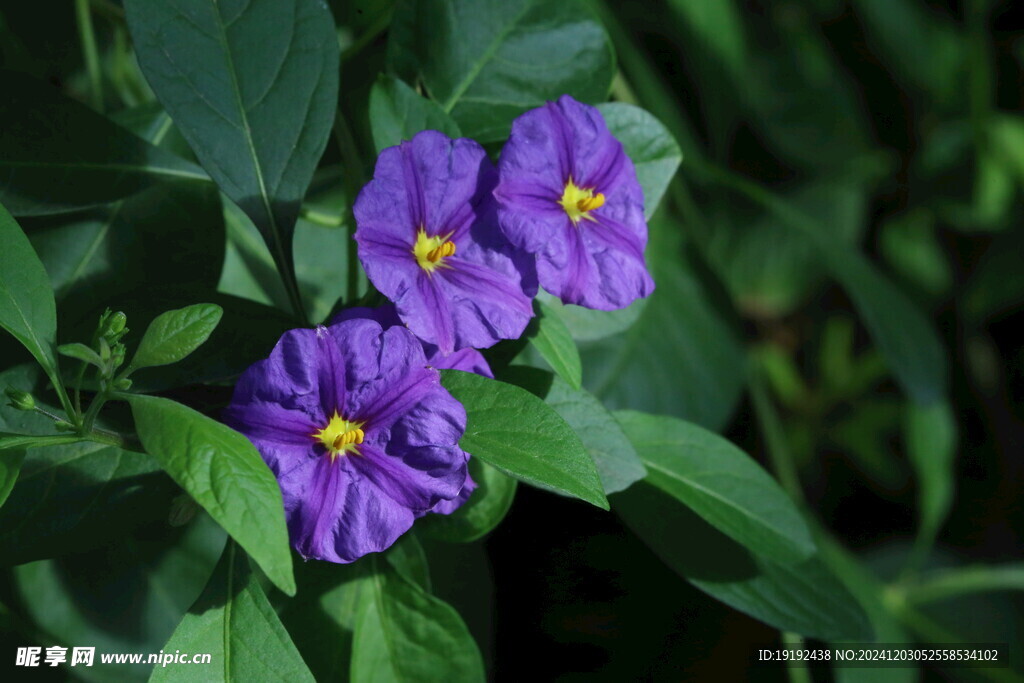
(104, 350)
(63, 426)
(117, 355)
(116, 323)
(123, 384)
(21, 400)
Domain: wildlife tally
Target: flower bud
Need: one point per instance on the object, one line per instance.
(21, 400)
(117, 355)
(123, 384)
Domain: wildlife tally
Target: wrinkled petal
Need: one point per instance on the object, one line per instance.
(341, 504)
(444, 188)
(596, 261)
(447, 507)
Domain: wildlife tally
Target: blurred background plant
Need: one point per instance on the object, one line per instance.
(840, 268)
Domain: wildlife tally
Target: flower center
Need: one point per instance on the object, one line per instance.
(578, 202)
(430, 252)
(341, 436)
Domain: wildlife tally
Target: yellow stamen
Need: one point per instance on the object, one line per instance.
(341, 436)
(430, 252)
(578, 202)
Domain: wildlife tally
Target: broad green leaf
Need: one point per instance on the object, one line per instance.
(397, 113)
(80, 352)
(805, 598)
(148, 240)
(176, 334)
(10, 466)
(74, 497)
(247, 331)
(553, 341)
(233, 622)
(404, 634)
(249, 268)
(321, 618)
(930, 436)
(253, 87)
(225, 474)
(127, 596)
(27, 309)
(650, 147)
(408, 558)
(911, 246)
(681, 357)
(513, 430)
(587, 324)
(484, 510)
(720, 483)
(57, 155)
(488, 61)
(616, 460)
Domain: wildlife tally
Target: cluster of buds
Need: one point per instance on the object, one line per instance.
(112, 327)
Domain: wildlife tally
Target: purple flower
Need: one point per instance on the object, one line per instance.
(569, 194)
(467, 360)
(359, 432)
(428, 240)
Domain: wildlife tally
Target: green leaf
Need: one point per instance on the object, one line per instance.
(224, 473)
(513, 430)
(145, 241)
(484, 510)
(397, 113)
(616, 460)
(870, 591)
(720, 483)
(585, 324)
(490, 60)
(650, 147)
(10, 441)
(681, 357)
(74, 497)
(57, 155)
(126, 596)
(253, 87)
(405, 634)
(176, 334)
(27, 309)
(80, 352)
(930, 435)
(805, 598)
(233, 622)
(249, 268)
(554, 342)
(10, 466)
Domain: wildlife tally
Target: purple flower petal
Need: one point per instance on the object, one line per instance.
(427, 193)
(342, 502)
(557, 157)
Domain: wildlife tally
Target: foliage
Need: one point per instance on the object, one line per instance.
(193, 176)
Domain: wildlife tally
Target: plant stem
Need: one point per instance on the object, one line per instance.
(354, 180)
(778, 451)
(950, 583)
(90, 53)
(797, 672)
(376, 28)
